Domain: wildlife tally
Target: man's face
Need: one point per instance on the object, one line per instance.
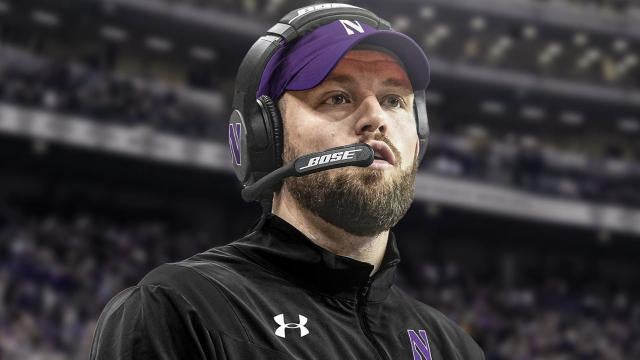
(367, 98)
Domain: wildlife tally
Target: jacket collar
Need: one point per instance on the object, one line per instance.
(281, 248)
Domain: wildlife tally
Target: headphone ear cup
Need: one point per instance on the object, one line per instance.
(422, 121)
(270, 108)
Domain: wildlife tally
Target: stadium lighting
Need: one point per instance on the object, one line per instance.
(442, 30)
(630, 61)
(4, 7)
(500, 47)
(437, 35)
(476, 131)
(431, 41)
(580, 39)
(545, 58)
(505, 41)
(550, 53)
(583, 64)
(202, 53)
(629, 125)
(45, 18)
(530, 112)
(593, 54)
(471, 48)
(530, 32)
(555, 48)
(590, 56)
(401, 23)
(620, 45)
(626, 64)
(434, 98)
(492, 107)
(427, 12)
(40, 147)
(622, 67)
(113, 33)
(571, 118)
(432, 209)
(478, 23)
(159, 44)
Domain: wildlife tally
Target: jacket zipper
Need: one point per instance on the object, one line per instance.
(360, 305)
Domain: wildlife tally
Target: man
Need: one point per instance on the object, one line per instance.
(314, 279)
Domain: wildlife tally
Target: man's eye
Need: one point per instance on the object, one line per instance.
(393, 101)
(337, 99)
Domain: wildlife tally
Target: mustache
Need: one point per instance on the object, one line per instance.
(394, 149)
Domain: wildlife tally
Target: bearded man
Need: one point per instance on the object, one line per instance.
(314, 279)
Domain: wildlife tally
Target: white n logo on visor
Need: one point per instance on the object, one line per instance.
(349, 26)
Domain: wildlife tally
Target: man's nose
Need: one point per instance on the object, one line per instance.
(372, 117)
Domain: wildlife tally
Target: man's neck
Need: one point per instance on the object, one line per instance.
(369, 249)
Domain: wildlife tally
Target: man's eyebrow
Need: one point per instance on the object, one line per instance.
(341, 79)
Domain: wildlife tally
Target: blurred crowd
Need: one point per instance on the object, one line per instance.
(523, 46)
(520, 161)
(58, 271)
(97, 94)
(262, 9)
(527, 163)
(549, 316)
(271, 7)
(615, 5)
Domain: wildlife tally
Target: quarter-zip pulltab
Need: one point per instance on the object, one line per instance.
(362, 319)
(363, 294)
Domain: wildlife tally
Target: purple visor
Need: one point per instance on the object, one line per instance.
(307, 62)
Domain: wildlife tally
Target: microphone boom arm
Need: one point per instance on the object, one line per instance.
(358, 154)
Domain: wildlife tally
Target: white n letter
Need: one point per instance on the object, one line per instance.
(349, 26)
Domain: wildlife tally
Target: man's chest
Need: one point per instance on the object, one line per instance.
(288, 323)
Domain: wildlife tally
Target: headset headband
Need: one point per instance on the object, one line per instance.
(293, 25)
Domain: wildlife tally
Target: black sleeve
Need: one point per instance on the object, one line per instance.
(466, 345)
(454, 342)
(150, 322)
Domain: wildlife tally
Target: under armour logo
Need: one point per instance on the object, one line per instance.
(279, 319)
(349, 26)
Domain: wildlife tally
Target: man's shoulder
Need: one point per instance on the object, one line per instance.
(449, 336)
(187, 283)
(179, 292)
(203, 275)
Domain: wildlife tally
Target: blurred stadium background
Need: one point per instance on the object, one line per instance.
(526, 225)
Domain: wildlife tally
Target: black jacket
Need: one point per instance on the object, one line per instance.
(274, 294)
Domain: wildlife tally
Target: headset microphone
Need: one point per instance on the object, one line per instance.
(359, 154)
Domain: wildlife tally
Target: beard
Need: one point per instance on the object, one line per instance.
(360, 201)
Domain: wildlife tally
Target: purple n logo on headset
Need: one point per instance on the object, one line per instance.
(235, 142)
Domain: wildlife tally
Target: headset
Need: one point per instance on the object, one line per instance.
(255, 125)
